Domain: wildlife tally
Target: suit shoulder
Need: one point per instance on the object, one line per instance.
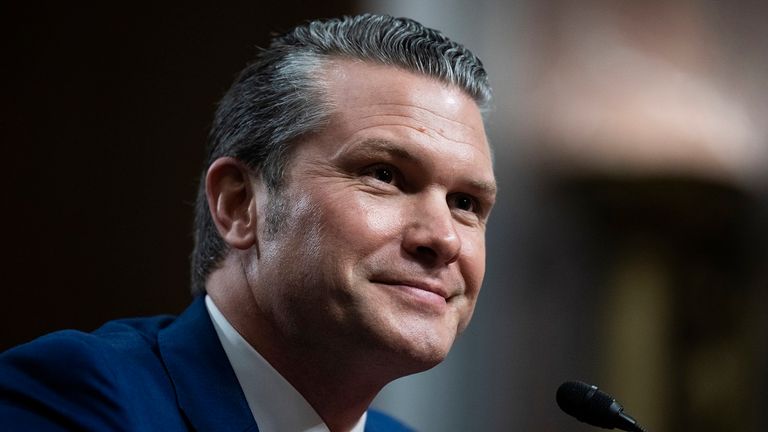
(377, 421)
(57, 382)
(82, 381)
(66, 350)
(132, 333)
(120, 339)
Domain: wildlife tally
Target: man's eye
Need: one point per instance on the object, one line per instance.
(382, 173)
(464, 203)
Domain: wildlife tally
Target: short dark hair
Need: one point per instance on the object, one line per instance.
(280, 97)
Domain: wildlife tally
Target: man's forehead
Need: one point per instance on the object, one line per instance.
(364, 94)
(352, 80)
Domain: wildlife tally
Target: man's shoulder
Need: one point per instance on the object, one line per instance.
(85, 380)
(132, 333)
(118, 340)
(377, 421)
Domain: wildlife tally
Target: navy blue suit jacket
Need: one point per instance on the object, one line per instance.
(146, 374)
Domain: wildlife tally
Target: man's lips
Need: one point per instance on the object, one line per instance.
(417, 284)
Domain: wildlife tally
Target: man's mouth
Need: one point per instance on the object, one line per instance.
(421, 291)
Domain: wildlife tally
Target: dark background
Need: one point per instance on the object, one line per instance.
(105, 114)
(650, 283)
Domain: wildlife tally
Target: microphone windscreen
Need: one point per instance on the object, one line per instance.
(586, 403)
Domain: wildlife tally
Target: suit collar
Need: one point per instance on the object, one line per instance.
(207, 389)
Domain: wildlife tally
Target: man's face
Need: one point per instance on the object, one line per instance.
(382, 243)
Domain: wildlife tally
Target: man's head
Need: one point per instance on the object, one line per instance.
(283, 96)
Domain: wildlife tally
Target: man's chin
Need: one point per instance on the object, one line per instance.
(420, 361)
(415, 354)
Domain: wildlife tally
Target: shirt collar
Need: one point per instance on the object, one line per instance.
(275, 404)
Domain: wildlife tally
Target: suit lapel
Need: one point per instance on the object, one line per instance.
(207, 389)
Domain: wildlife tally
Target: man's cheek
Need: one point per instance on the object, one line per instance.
(374, 217)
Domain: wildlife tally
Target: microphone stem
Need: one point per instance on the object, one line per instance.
(629, 424)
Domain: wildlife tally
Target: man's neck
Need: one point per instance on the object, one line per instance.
(338, 384)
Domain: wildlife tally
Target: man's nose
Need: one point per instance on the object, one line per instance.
(431, 234)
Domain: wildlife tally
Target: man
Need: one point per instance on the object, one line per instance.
(339, 245)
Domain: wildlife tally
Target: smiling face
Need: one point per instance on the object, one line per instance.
(381, 246)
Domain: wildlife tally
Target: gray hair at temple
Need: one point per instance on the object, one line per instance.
(280, 97)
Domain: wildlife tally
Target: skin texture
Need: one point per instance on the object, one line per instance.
(379, 256)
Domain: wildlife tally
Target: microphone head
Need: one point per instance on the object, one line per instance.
(588, 404)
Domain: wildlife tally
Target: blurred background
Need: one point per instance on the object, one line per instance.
(628, 248)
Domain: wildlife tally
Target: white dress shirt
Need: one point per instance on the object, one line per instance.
(275, 404)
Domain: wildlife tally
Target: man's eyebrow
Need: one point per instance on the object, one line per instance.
(378, 145)
(487, 187)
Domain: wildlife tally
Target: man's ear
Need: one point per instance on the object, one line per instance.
(231, 202)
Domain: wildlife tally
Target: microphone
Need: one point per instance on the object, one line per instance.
(592, 406)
